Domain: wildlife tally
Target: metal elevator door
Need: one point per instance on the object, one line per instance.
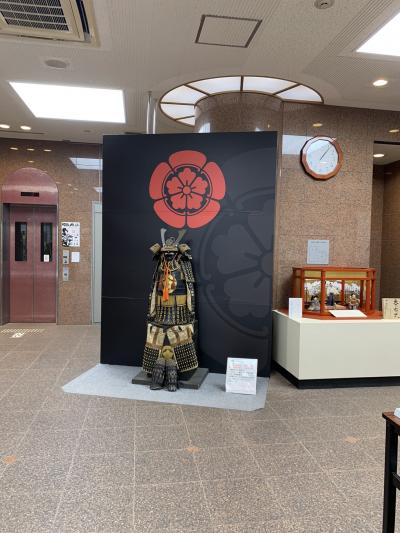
(33, 263)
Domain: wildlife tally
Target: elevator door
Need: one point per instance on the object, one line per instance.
(33, 263)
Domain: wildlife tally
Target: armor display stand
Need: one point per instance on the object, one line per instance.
(170, 355)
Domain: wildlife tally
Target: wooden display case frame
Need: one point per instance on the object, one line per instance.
(366, 277)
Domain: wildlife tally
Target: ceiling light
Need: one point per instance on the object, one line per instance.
(31, 161)
(72, 103)
(13, 148)
(56, 63)
(25, 128)
(189, 121)
(395, 130)
(385, 41)
(317, 124)
(183, 95)
(46, 149)
(98, 189)
(302, 93)
(4, 126)
(379, 155)
(30, 149)
(265, 85)
(218, 85)
(380, 83)
(178, 110)
(87, 163)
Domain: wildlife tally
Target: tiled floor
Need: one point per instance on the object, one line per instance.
(310, 461)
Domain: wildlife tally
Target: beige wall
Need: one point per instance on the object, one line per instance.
(76, 194)
(390, 287)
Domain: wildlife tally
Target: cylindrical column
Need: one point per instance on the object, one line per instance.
(238, 112)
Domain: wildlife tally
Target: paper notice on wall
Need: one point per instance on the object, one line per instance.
(318, 252)
(46, 258)
(241, 375)
(295, 307)
(75, 257)
(71, 234)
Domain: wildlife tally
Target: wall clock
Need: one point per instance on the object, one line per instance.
(322, 157)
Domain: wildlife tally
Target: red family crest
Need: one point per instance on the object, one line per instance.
(187, 189)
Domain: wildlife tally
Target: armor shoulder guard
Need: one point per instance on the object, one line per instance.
(155, 248)
(184, 248)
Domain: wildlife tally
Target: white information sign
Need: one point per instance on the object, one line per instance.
(71, 234)
(318, 252)
(349, 313)
(75, 257)
(295, 307)
(241, 375)
(46, 258)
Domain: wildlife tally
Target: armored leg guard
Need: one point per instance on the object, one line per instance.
(171, 375)
(158, 375)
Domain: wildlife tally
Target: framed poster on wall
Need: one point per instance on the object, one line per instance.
(221, 189)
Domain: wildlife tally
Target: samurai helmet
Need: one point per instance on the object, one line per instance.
(171, 243)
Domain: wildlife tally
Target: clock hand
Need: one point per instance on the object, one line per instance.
(326, 151)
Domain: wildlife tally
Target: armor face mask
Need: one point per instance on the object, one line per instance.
(171, 313)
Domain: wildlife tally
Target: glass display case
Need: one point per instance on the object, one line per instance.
(324, 288)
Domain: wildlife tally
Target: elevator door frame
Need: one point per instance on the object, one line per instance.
(6, 250)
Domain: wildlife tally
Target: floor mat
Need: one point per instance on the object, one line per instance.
(115, 381)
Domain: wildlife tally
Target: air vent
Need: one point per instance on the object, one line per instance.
(64, 20)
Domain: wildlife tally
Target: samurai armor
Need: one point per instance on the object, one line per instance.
(171, 312)
(171, 375)
(158, 375)
(186, 358)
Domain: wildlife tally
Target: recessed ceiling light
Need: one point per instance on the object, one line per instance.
(13, 148)
(56, 63)
(385, 41)
(25, 128)
(4, 126)
(380, 83)
(31, 161)
(317, 124)
(30, 149)
(87, 163)
(72, 103)
(395, 130)
(379, 155)
(46, 149)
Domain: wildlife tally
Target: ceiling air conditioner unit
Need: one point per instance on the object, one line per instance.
(61, 20)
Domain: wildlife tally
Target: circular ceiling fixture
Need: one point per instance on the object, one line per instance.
(323, 4)
(56, 63)
(179, 103)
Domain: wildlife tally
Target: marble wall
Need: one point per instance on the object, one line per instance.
(76, 169)
(390, 287)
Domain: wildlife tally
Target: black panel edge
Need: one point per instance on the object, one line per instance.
(335, 383)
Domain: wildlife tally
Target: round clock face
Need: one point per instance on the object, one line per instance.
(322, 157)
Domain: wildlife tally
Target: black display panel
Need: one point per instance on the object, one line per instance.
(221, 188)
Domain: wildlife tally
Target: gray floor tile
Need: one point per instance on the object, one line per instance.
(60, 420)
(110, 417)
(226, 463)
(215, 434)
(31, 400)
(308, 494)
(35, 474)
(237, 500)
(171, 507)
(106, 440)
(102, 509)
(362, 488)
(340, 455)
(159, 415)
(165, 466)
(318, 429)
(28, 512)
(9, 442)
(294, 408)
(58, 400)
(16, 421)
(18, 360)
(49, 442)
(265, 432)
(198, 415)
(102, 470)
(279, 459)
(161, 438)
(267, 413)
